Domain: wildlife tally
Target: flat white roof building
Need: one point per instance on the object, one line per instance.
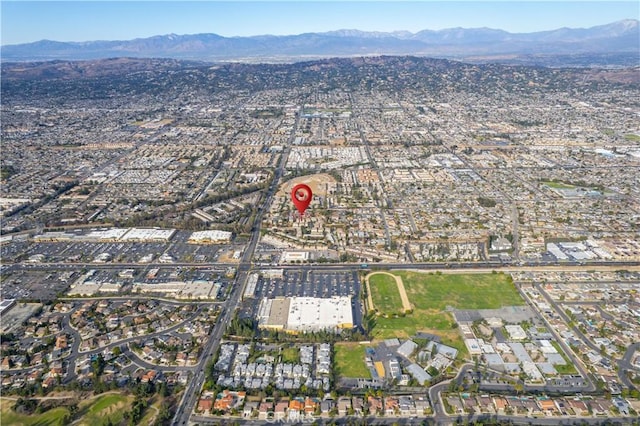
(312, 313)
(516, 332)
(110, 287)
(407, 348)
(250, 289)
(272, 273)
(87, 288)
(6, 304)
(148, 234)
(196, 289)
(166, 287)
(106, 234)
(308, 313)
(293, 256)
(211, 236)
(473, 345)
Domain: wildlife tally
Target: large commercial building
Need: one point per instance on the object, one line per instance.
(210, 236)
(299, 314)
(294, 256)
(6, 304)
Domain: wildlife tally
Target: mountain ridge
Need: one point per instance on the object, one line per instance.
(616, 37)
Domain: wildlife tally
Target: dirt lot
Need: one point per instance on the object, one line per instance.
(317, 183)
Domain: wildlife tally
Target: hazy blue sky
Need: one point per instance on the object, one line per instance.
(26, 21)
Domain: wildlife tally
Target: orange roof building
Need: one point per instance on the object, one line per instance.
(500, 403)
(547, 405)
(205, 404)
(295, 404)
(375, 404)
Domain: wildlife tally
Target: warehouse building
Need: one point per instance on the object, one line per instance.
(300, 314)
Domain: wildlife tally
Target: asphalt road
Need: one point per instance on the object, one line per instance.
(74, 352)
(625, 364)
(71, 359)
(422, 420)
(568, 351)
(483, 266)
(192, 391)
(183, 414)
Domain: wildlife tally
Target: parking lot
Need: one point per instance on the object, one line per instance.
(40, 282)
(24, 283)
(136, 252)
(306, 282)
(178, 249)
(309, 283)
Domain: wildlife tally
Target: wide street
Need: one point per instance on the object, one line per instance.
(192, 391)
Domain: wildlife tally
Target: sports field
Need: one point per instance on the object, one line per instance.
(316, 182)
(384, 293)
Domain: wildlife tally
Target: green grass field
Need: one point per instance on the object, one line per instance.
(110, 406)
(431, 294)
(384, 292)
(468, 291)
(53, 417)
(632, 137)
(291, 355)
(350, 360)
(559, 185)
(92, 412)
(106, 401)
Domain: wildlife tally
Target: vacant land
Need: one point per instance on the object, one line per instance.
(54, 417)
(107, 408)
(110, 406)
(316, 182)
(403, 327)
(350, 360)
(152, 411)
(460, 291)
(434, 295)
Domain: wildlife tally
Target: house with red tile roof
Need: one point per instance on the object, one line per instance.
(296, 409)
(548, 406)
(578, 406)
(61, 342)
(264, 409)
(205, 404)
(375, 405)
(500, 404)
(227, 400)
(311, 405)
(391, 406)
(149, 376)
(281, 410)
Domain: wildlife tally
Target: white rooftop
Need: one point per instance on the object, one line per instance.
(312, 313)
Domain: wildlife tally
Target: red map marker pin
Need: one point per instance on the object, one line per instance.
(301, 196)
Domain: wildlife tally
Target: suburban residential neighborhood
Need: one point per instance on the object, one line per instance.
(470, 252)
